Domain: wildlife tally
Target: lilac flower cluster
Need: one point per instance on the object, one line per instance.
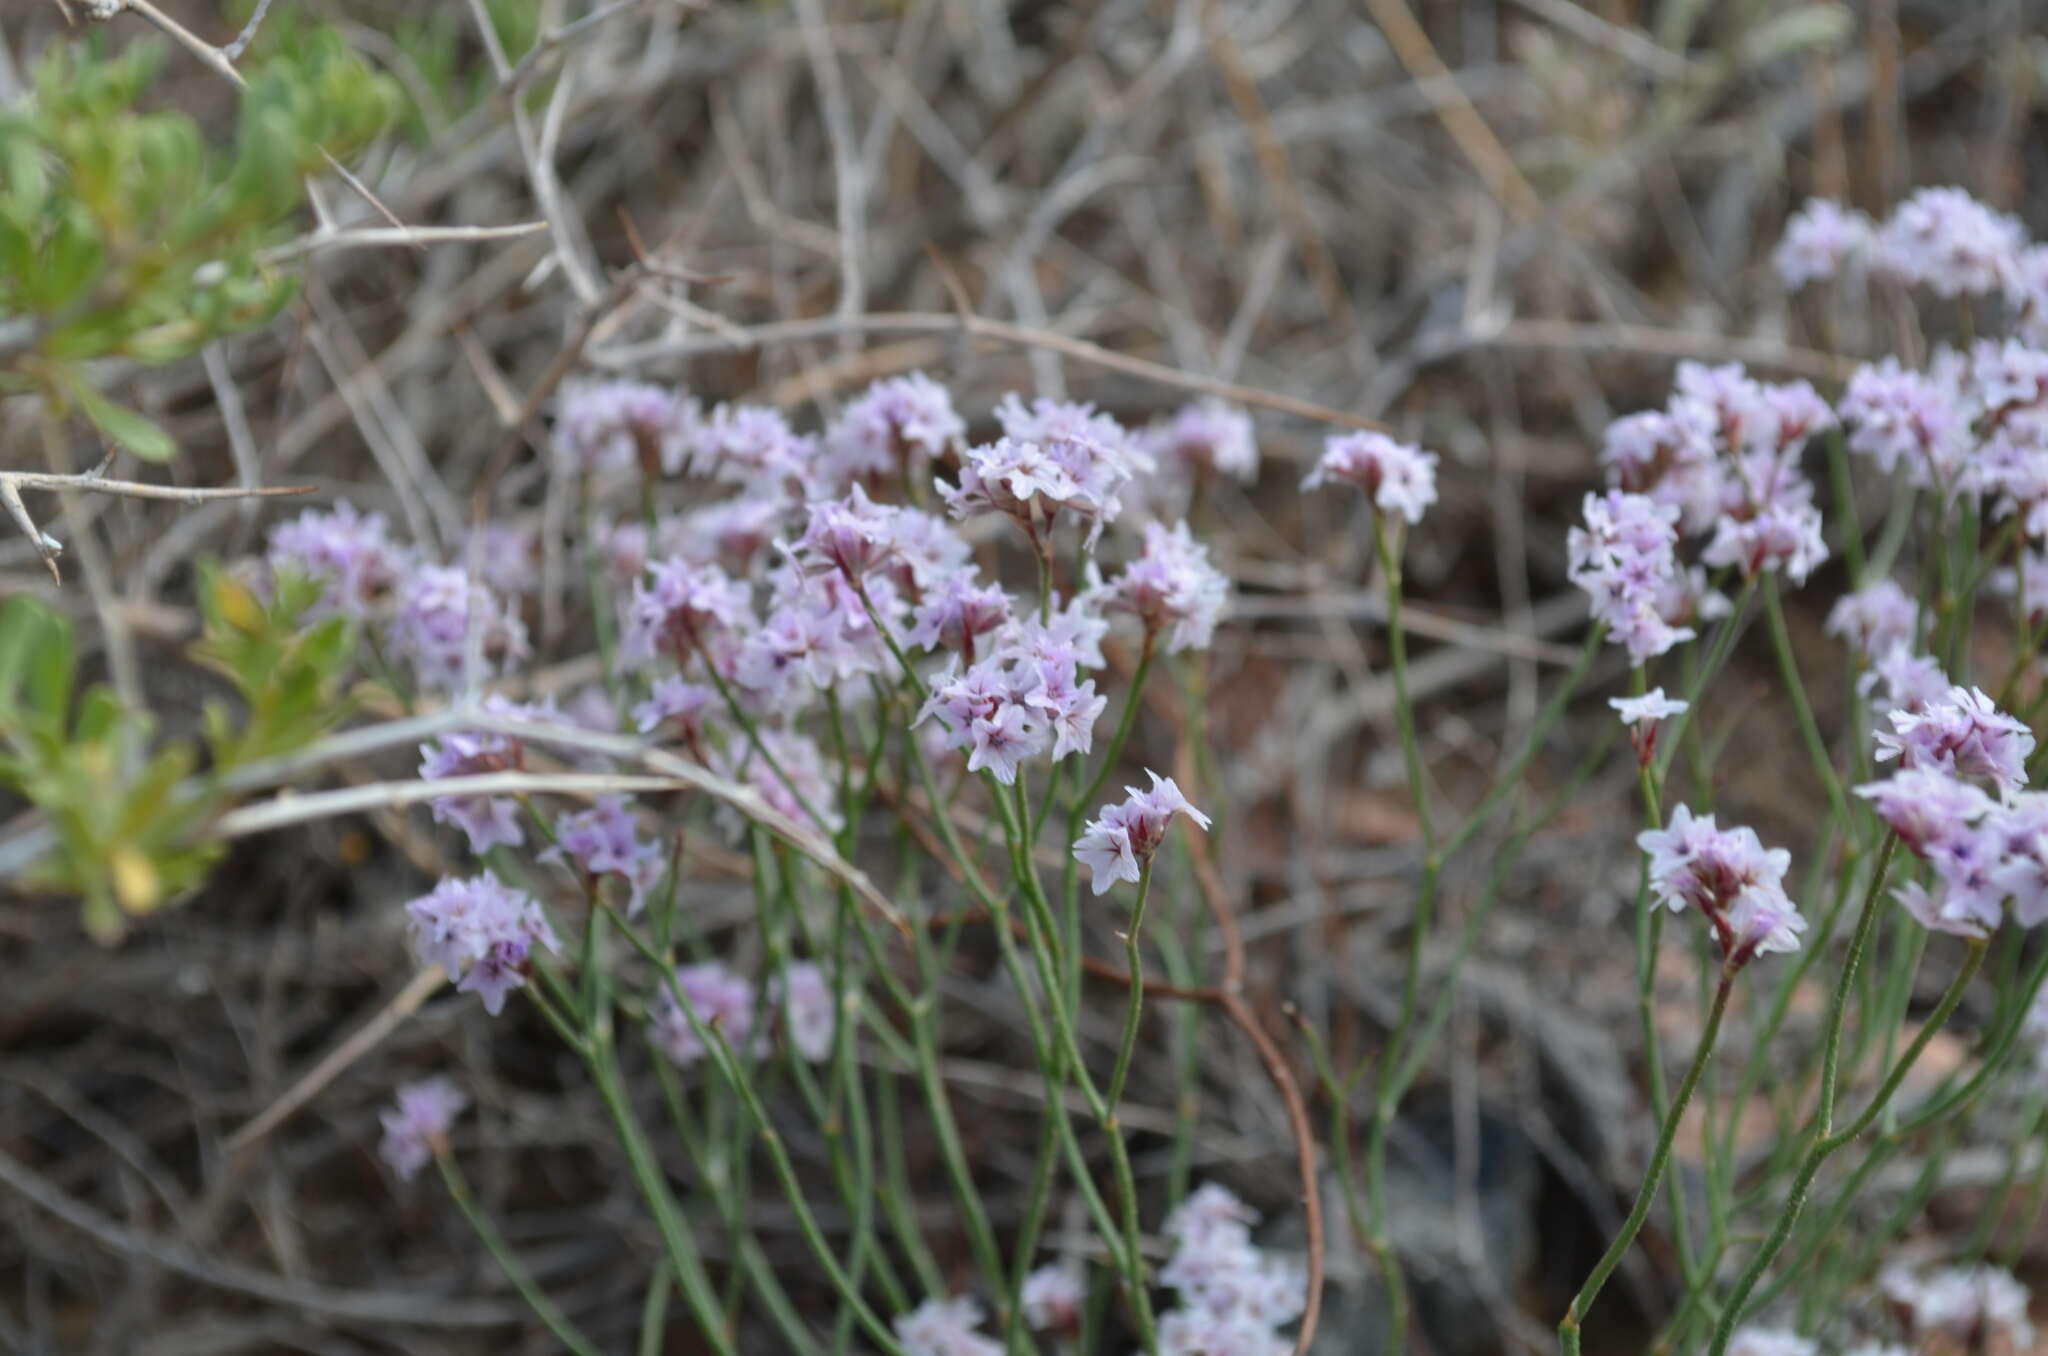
(604, 840)
(1026, 698)
(350, 554)
(1981, 1306)
(1625, 557)
(1938, 238)
(416, 1128)
(1052, 1297)
(1399, 478)
(1055, 458)
(800, 999)
(480, 932)
(1233, 1296)
(1728, 875)
(488, 821)
(1172, 588)
(1983, 850)
(1642, 714)
(616, 426)
(1117, 844)
(945, 1327)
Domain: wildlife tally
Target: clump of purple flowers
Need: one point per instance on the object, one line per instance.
(1233, 1296)
(439, 608)
(1965, 735)
(1172, 588)
(488, 821)
(625, 426)
(1398, 477)
(604, 840)
(1625, 558)
(722, 1000)
(481, 932)
(351, 554)
(417, 1127)
(1117, 844)
(1055, 458)
(893, 427)
(1730, 878)
(945, 1327)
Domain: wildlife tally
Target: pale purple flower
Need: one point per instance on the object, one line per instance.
(1207, 437)
(1926, 806)
(604, 840)
(721, 1000)
(1950, 243)
(800, 760)
(1754, 1341)
(2013, 465)
(1003, 740)
(623, 426)
(1070, 708)
(1398, 477)
(2007, 375)
(1672, 456)
(1625, 558)
(1972, 1304)
(1118, 842)
(852, 535)
(489, 821)
(1728, 875)
(1820, 240)
(505, 558)
(1904, 681)
(924, 552)
(2028, 583)
(1232, 1296)
(1052, 1296)
(1895, 416)
(676, 704)
(1172, 588)
(804, 997)
(1210, 1209)
(438, 607)
(1735, 407)
(945, 1327)
(481, 932)
(1054, 457)
(1875, 618)
(1768, 521)
(891, 424)
(753, 444)
(351, 554)
(731, 532)
(1641, 715)
(680, 608)
(2020, 829)
(416, 1128)
(957, 612)
(1965, 734)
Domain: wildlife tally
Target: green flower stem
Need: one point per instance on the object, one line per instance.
(1809, 729)
(1825, 1144)
(753, 734)
(1660, 1159)
(668, 1218)
(729, 1068)
(515, 1271)
(1136, 969)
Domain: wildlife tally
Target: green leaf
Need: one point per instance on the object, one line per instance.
(136, 432)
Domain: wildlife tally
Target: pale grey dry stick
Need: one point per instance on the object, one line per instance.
(12, 483)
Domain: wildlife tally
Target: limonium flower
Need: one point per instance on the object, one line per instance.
(1981, 1305)
(1768, 521)
(1728, 875)
(1117, 843)
(1641, 715)
(957, 612)
(489, 821)
(679, 608)
(1820, 240)
(1054, 458)
(1625, 557)
(1927, 806)
(481, 932)
(1207, 437)
(1398, 477)
(623, 426)
(1232, 1295)
(1948, 242)
(1755, 1341)
(438, 605)
(753, 444)
(1052, 1297)
(1874, 618)
(351, 554)
(1904, 681)
(851, 535)
(803, 995)
(800, 760)
(1172, 588)
(604, 840)
(506, 558)
(1671, 456)
(1966, 734)
(722, 1000)
(945, 1327)
(1024, 700)
(677, 706)
(891, 425)
(1917, 419)
(416, 1128)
